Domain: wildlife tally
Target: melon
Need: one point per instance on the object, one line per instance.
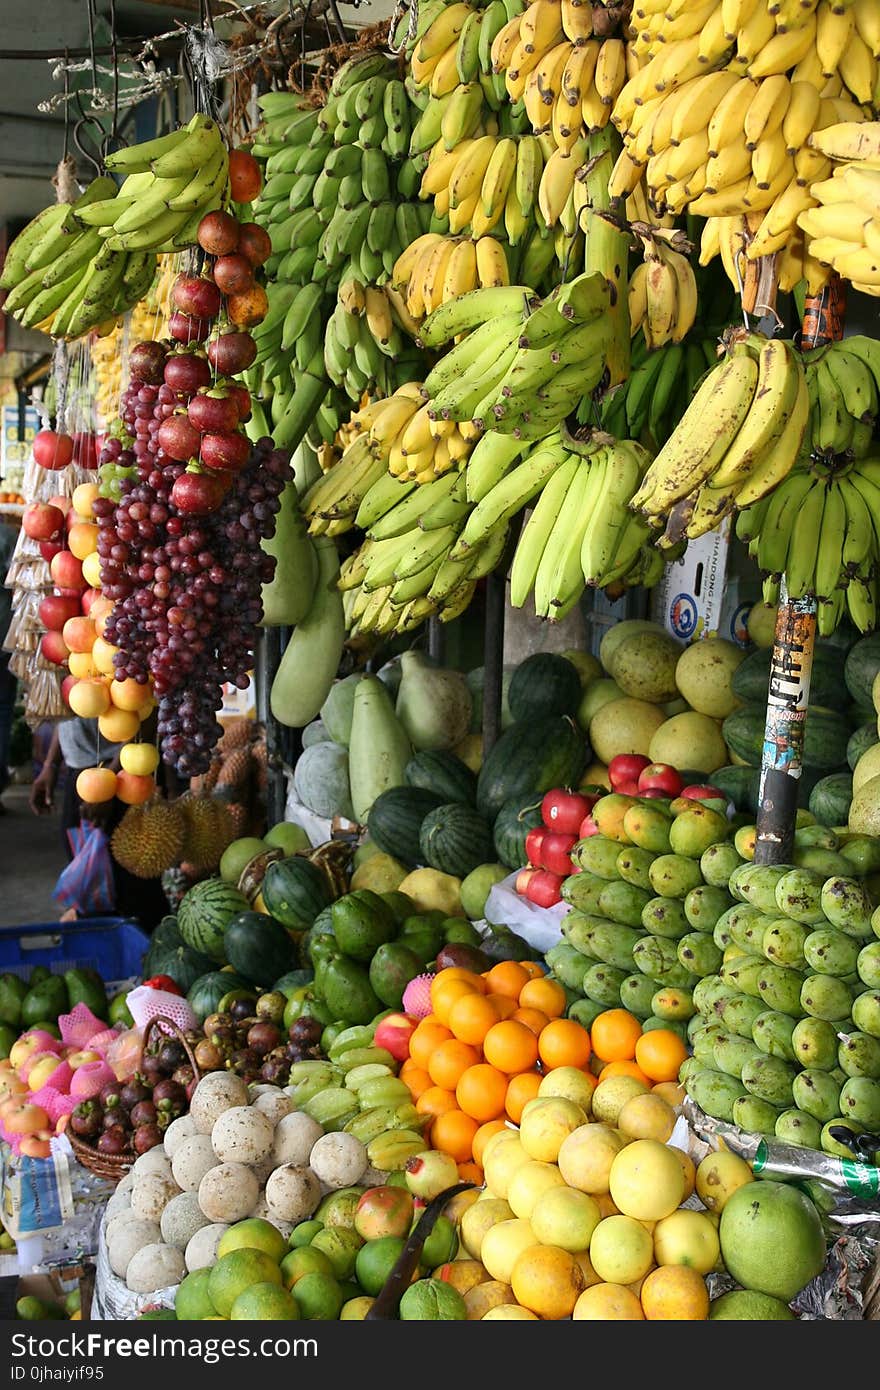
(761, 623)
(868, 766)
(771, 1239)
(619, 633)
(644, 666)
(237, 855)
(321, 781)
(624, 726)
(703, 676)
(864, 812)
(692, 741)
(598, 693)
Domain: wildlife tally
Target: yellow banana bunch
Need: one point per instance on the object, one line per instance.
(444, 268)
(842, 222)
(663, 289)
(471, 183)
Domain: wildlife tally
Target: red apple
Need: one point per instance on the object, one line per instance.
(88, 598)
(41, 521)
(556, 851)
(544, 888)
(394, 1032)
(587, 828)
(54, 611)
(653, 794)
(66, 685)
(66, 571)
(63, 504)
(563, 810)
(52, 450)
(534, 840)
(626, 768)
(54, 648)
(703, 792)
(659, 777)
(523, 879)
(49, 549)
(627, 788)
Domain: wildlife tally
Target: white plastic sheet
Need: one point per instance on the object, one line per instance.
(541, 927)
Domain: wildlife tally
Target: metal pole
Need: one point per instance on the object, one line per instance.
(276, 790)
(493, 658)
(436, 640)
(792, 659)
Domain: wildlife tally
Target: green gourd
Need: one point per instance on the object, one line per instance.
(378, 750)
(311, 659)
(288, 595)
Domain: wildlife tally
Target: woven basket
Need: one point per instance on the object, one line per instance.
(115, 1166)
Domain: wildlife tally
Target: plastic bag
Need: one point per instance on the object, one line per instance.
(86, 884)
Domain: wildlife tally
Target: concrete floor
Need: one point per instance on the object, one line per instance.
(31, 858)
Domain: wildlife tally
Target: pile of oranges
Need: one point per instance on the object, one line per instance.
(481, 1054)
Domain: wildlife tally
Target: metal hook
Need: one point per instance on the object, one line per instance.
(85, 119)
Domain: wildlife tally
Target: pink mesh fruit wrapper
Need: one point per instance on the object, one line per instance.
(79, 1027)
(145, 1003)
(55, 1103)
(89, 1079)
(417, 996)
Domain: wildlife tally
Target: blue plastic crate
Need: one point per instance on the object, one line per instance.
(114, 946)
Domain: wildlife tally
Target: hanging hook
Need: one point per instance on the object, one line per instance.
(87, 120)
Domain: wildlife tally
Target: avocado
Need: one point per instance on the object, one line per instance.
(86, 987)
(456, 930)
(12, 992)
(362, 923)
(38, 974)
(426, 929)
(391, 969)
(400, 905)
(504, 944)
(47, 999)
(347, 990)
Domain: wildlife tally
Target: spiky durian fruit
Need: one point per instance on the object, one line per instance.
(149, 838)
(209, 830)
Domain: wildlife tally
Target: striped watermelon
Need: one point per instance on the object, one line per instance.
(205, 912)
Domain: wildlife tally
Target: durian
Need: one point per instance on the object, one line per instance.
(149, 838)
(209, 830)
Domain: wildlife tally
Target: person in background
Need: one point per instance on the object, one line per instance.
(77, 744)
(8, 683)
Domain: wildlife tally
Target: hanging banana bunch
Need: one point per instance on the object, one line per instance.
(663, 288)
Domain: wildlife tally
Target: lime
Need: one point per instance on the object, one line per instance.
(303, 1261)
(253, 1234)
(303, 1233)
(319, 1297)
(192, 1301)
(264, 1303)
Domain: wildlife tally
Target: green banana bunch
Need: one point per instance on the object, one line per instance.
(843, 381)
(648, 405)
(364, 350)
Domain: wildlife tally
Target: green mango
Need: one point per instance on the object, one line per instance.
(457, 930)
(816, 837)
(771, 1031)
(863, 853)
(824, 996)
(817, 1094)
(657, 958)
(866, 1012)
(703, 906)
(347, 991)
(826, 862)
(582, 891)
(780, 988)
(783, 943)
(754, 1115)
(633, 865)
(711, 993)
(860, 1101)
(698, 953)
(690, 1067)
(739, 1013)
(799, 896)
(815, 1043)
(715, 1092)
(742, 973)
(399, 904)
(665, 917)
(362, 923)
(858, 1054)
(636, 994)
(598, 855)
(585, 1011)
(673, 1004)
(831, 952)
(674, 875)
(623, 903)
(45, 1000)
(831, 1145)
(391, 969)
(721, 930)
(770, 1079)
(718, 862)
(703, 1043)
(12, 993)
(668, 1025)
(86, 987)
(602, 984)
(731, 1054)
(756, 883)
(742, 923)
(797, 1127)
(567, 964)
(607, 941)
(868, 965)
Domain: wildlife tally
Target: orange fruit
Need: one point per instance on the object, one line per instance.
(532, 1018)
(504, 1005)
(471, 1017)
(436, 1101)
(448, 995)
(675, 1293)
(521, 1089)
(481, 1092)
(507, 977)
(449, 1060)
(533, 968)
(427, 1035)
(660, 1053)
(453, 1132)
(484, 1134)
(614, 1035)
(564, 1043)
(471, 1172)
(623, 1068)
(511, 1047)
(543, 994)
(458, 972)
(416, 1078)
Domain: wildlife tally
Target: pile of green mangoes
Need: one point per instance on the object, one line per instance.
(644, 900)
(786, 1040)
(42, 997)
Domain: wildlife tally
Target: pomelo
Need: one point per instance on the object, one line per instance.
(771, 1239)
(619, 632)
(253, 1234)
(625, 726)
(689, 740)
(291, 838)
(644, 666)
(430, 1300)
(703, 676)
(748, 1306)
(598, 693)
(319, 1297)
(476, 887)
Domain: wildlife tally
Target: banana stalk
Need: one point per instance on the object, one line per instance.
(607, 244)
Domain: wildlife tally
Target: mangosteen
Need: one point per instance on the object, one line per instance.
(183, 1075)
(208, 1055)
(144, 1113)
(111, 1093)
(133, 1092)
(151, 1069)
(306, 1030)
(146, 1137)
(116, 1116)
(86, 1119)
(114, 1141)
(275, 1070)
(271, 1006)
(241, 1009)
(263, 1037)
(172, 1055)
(243, 1060)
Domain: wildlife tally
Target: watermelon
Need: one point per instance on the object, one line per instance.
(543, 685)
(825, 740)
(441, 772)
(740, 784)
(512, 824)
(529, 758)
(204, 913)
(168, 954)
(455, 839)
(830, 799)
(295, 891)
(861, 666)
(750, 681)
(860, 740)
(205, 993)
(259, 948)
(395, 820)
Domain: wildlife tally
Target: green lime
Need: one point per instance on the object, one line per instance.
(237, 1271)
(253, 1234)
(319, 1297)
(375, 1261)
(264, 1303)
(192, 1301)
(430, 1300)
